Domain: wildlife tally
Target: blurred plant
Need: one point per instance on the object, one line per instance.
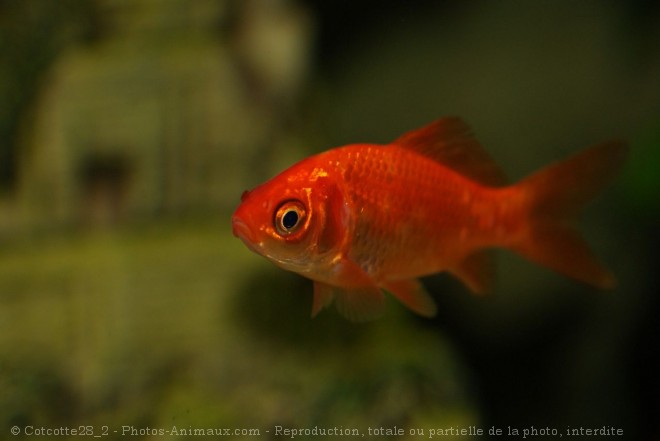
(32, 392)
(32, 34)
(642, 181)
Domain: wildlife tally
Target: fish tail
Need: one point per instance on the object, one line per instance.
(554, 197)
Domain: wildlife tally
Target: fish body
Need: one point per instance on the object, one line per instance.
(364, 218)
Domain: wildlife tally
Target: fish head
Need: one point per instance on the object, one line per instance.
(298, 219)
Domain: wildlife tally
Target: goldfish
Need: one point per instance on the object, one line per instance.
(365, 219)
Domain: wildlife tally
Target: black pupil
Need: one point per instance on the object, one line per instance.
(290, 219)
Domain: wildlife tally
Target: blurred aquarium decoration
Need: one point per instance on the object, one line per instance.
(130, 128)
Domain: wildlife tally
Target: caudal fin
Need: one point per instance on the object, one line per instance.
(555, 195)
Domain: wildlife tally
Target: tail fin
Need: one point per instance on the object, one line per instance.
(555, 196)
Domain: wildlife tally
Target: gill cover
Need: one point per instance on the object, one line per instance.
(312, 223)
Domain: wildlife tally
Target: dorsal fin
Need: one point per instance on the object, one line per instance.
(449, 141)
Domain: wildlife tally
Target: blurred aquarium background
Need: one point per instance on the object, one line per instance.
(129, 129)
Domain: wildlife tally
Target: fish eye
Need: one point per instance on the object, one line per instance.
(289, 216)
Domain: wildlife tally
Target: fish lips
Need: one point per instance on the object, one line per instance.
(242, 230)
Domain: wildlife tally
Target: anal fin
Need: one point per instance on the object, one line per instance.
(477, 271)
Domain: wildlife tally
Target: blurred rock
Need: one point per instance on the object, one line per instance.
(160, 115)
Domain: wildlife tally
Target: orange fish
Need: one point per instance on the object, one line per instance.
(362, 219)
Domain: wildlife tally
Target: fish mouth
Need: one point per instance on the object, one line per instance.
(241, 230)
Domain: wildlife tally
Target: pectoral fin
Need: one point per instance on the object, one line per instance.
(323, 296)
(356, 304)
(360, 304)
(357, 297)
